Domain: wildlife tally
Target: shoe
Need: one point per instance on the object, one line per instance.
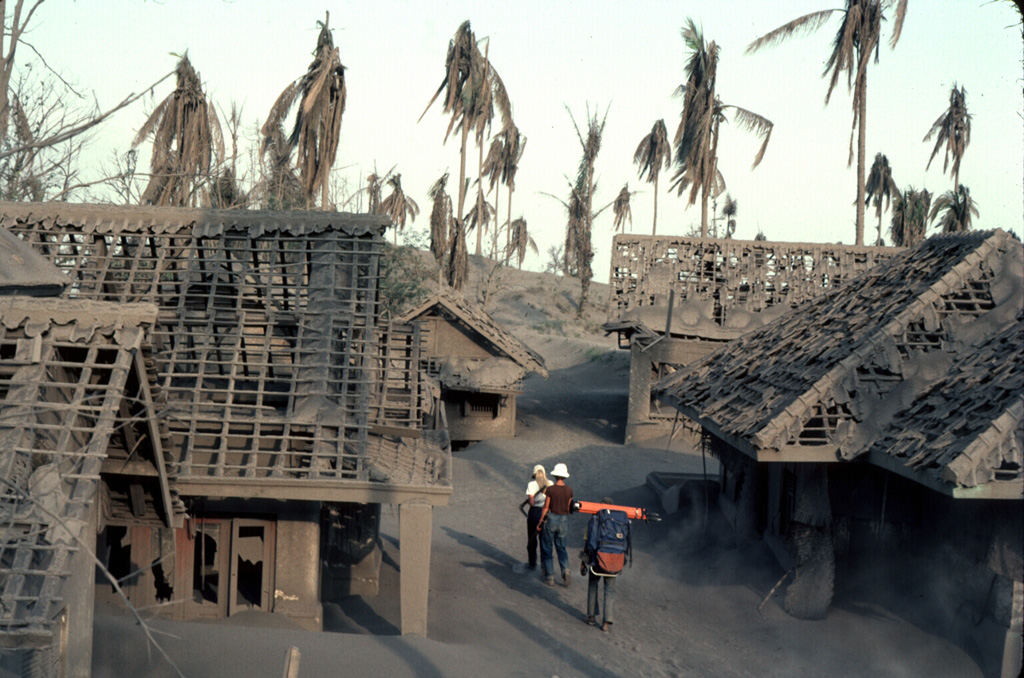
(565, 577)
(592, 621)
(550, 581)
(606, 627)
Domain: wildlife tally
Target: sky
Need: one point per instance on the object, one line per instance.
(620, 58)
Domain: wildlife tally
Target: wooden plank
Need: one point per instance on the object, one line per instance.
(154, 436)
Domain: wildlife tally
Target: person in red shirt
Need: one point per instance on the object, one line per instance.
(554, 526)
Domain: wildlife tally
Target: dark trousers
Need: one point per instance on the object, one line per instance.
(532, 520)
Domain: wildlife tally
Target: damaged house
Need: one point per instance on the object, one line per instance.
(674, 300)
(885, 419)
(233, 411)
(478, 363)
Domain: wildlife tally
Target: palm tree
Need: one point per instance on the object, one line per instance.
(374, 186)
(321, 96)
(186, 135)
(440, 218)
(622, 210)
(909, 216)
(729, 210)
(954, 210)
(579, 251)
(696, 137)
(881, 188)
(478, 217)
(398, 206)
(858, 36)
(501, 165)
(471, 88)
(279, 187)
(654, 152)
(953, 128)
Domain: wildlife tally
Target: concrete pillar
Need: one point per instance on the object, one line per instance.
(414, 561)
(80, 594)
(297, 568)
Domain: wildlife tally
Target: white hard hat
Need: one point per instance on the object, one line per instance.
(560, 471)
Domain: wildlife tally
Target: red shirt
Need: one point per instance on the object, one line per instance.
(560, 497)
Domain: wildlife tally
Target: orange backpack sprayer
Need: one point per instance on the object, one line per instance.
(633, 513)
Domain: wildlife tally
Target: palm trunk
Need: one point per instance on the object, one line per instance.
(654, 226)
(508, 229)
(325, 194)
(494, 233)
(861, 151)
(462, 176)
(480, 223)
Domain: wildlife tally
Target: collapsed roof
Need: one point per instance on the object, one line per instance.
(64, 377)
(914, 364)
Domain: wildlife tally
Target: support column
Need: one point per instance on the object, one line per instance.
(81, 592)
(1012, 645)
(414, 560)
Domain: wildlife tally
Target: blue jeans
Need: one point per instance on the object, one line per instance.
(556, 529)
(593, 609)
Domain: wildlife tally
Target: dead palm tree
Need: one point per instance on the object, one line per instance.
(440, 218)
(858, 37)
(501, 165)
(952, 129)
(278, 186)
(954, 210)
(881, 188)
(654, 152)
(471, 88)
(374, 190)
(909, 216)
(398, 206)
(186, 136)
(622, 210)
(729, 210)
(579, 251)
(456, 265)
(696, 137)
(321, 98)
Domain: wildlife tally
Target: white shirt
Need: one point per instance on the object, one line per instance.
(532, 489)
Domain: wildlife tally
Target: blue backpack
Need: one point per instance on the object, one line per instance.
(608, 541)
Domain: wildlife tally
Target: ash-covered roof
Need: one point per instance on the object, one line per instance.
(62, 383)
(723, 288)
(202, 223)
(23, 272)
(453, 305)
(896, 362)
(270, 364)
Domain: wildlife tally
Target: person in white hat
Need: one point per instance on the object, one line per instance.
(536, 499)
(554, 526)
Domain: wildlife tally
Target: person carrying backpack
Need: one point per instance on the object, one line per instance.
(606, 548)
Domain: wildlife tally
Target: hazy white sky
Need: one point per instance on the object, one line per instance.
(624, 56)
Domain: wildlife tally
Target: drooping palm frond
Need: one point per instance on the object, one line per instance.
(440, 218)
(479, 215)
(321, 95)
(398, 206)
(752, 122)
(521, 241)
(457, 261)
(954, 210)
(374, 190)
(186, 134)
(622, 210)
(952, 130)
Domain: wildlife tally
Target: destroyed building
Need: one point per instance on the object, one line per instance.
(478, 363)
(233, 409)
(674, 300)
(885, 419)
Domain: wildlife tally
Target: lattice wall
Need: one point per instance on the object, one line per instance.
(729, 275)
(268, 358)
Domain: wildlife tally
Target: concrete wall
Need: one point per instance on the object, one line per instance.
(644, 364)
